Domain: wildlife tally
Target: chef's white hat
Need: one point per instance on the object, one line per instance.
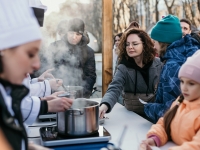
(18, 24)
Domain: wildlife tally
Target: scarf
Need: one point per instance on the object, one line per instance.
(130, 63)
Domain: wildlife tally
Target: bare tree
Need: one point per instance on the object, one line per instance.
(192, 13)
(156, 10)
(198, 4)
(122, 10)
(116, 16)
(169, 8)
(147, 5)
(132, 10)
(96, 27)
(189, 14)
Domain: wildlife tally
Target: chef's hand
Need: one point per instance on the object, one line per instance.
(32, 146)
(52, 96)
(46, 75)
(145, 145)
(102, 110)
(59, 104)
(55, 83)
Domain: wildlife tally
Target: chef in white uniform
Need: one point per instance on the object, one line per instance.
(39, 91)
(40, 99)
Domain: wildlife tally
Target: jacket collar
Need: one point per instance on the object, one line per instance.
(192, 104)
(16, 91)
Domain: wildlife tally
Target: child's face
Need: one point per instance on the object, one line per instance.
(190, 89)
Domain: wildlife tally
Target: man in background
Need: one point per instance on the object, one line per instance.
(73, 59)
(186, 26)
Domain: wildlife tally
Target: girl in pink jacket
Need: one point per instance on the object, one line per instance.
(181, 124)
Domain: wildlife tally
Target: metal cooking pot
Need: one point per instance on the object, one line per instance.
(80, 120)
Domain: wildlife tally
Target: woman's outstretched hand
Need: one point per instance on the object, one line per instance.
(102, 110)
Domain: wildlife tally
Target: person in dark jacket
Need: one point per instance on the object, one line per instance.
(137, 73)
(187, 28)
(173, 51)
(73, 59)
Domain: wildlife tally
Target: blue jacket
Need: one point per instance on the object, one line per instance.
(168, 87)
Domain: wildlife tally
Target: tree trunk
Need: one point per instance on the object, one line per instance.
(192, 14)
(198, 5)
(147, 13)
(169, 8)
(156, 11)
(97, 26)
(185, 10)
(123, 10)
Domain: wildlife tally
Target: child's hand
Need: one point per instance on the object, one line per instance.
(149, 142)
(146, 144)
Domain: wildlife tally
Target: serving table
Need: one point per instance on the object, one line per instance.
(116, 120)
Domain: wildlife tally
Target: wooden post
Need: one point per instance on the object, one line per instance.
(107, 44)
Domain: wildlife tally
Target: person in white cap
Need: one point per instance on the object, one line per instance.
(41, 88)
(19, 45)
(34, 104)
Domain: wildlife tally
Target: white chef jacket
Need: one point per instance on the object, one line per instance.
(30, 105)
(8, 101)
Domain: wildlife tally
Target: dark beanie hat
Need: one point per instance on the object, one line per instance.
(167, 30)
(76, 25)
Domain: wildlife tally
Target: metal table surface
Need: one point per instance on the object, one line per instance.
(137, 127)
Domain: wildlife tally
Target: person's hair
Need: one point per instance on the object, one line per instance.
(163, 47)
(187, 21)
(148, 52)
(196, 35)
(133, 24)
(169, 115)
(1, 62)
(119, 35)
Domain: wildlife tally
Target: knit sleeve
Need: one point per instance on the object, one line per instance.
(194, 144)
(158, 130)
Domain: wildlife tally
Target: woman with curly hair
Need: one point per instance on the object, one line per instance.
(137, 73)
